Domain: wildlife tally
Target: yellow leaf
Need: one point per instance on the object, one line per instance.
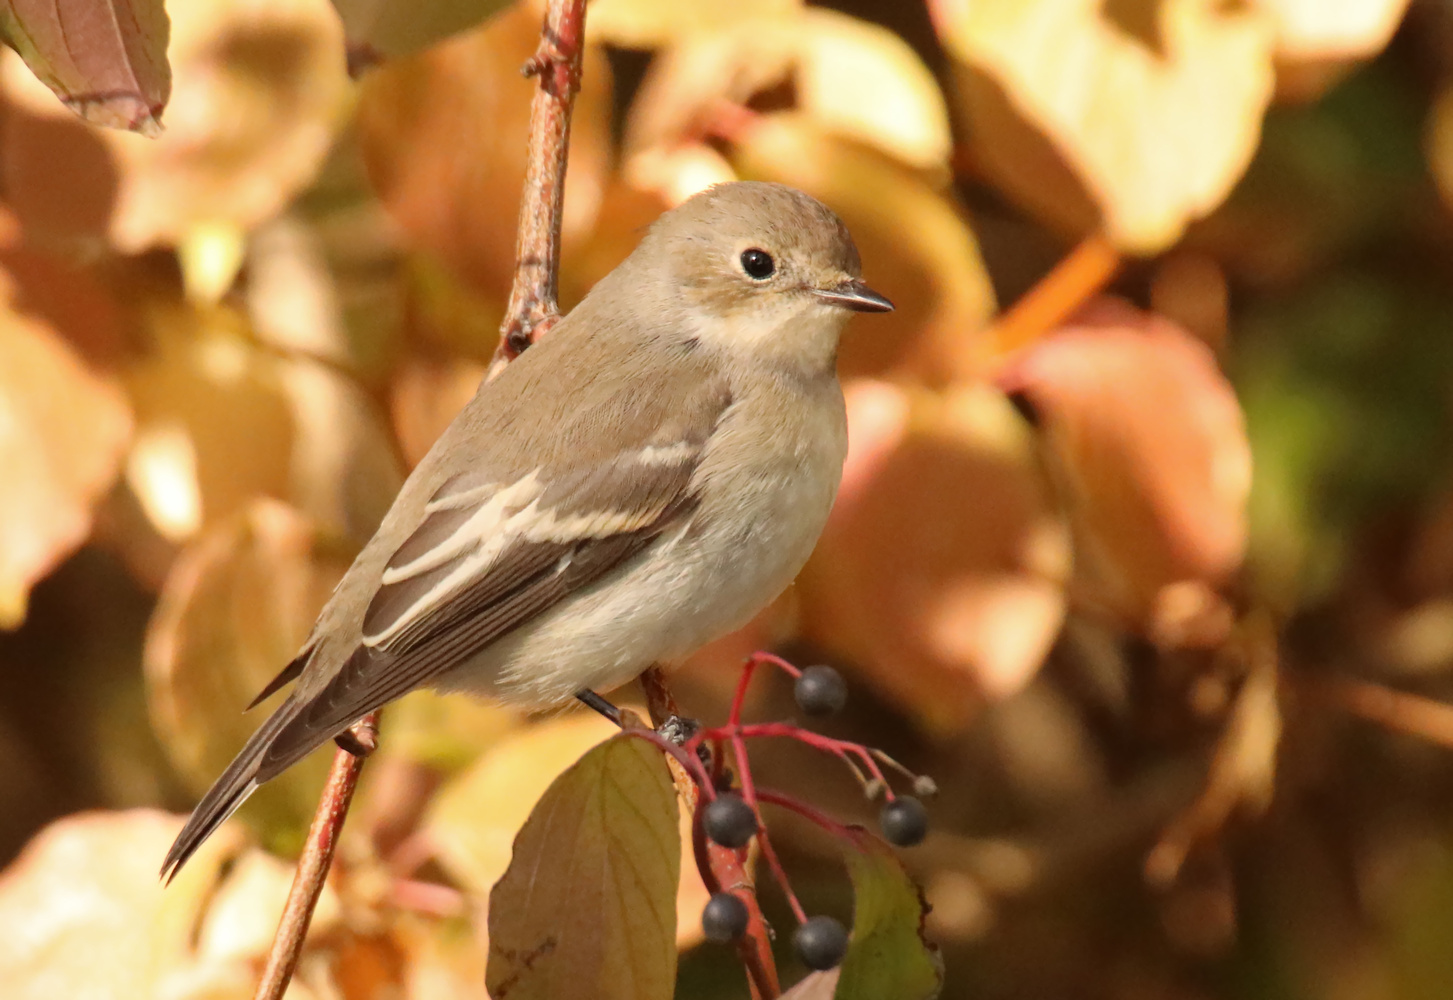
(588, 904)
(235, 609)
(644, 24)
(1090, 122)
(853, 79)
(443, 137)
(63, 429)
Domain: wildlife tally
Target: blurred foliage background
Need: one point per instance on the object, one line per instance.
(1158, 584)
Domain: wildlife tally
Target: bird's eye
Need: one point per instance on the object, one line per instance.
(758, 264)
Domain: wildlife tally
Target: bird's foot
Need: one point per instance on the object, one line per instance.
(358, 740)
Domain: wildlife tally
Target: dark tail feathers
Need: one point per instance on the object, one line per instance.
(228, 792)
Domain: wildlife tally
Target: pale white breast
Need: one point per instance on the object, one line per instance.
(756, 526)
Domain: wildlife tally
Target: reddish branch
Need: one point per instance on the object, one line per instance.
(557, 65)
(722, 868)
(316, 858)
(532, 308)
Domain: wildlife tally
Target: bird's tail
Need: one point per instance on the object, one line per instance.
(227, 792)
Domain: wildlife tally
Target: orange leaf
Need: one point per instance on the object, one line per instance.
(1150, 447)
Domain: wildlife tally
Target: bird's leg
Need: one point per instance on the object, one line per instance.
(358, 740)
(599, 704)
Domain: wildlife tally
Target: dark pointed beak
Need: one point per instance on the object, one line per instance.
(854, 295)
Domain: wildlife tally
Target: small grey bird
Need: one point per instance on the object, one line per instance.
(645, 479)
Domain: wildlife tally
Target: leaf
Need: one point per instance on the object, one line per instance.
(851, 78)
(814, 986)
(105, 59)
(1157, 480)
(82, 913)
(235, 609)
(443, 138)
(644, 24)
(63, 430)
(941, 571)
(261, 89)
(378, 29)
(916, 246)
(475, 818)
(1091, 122)
(887, 956)
(588, 904)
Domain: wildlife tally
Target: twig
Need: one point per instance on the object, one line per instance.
(557, 64)
(1399, 711)
(313, 865)
(721, 867)
(1087, 269)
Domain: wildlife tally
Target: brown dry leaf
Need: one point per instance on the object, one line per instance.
(916, 247)
(443, 136)
(260, 90)
(473, 820)
(1438, 143)
(106, 61)
(1318, 40)
(586, 905)
(1156, 480)
(63, 431)
(83, 914)
(646, 24)
(852, 79)
(941, 570)
(1093, 122)
(237, 606)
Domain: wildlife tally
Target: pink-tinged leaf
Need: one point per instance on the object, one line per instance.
(587, 907)
(1149, 446)
(105, 59)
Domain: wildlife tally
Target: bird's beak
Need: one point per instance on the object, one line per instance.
(853, 294)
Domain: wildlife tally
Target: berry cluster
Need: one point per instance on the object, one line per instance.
(731, 818)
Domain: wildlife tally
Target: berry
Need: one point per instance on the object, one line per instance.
(820, 691)
(904, 821)
(821, 943)
(729, 821)
(724, 919)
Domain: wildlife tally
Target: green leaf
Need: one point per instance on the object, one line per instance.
(380, 29)
(105, 59)
(587, 906)
(888, 956)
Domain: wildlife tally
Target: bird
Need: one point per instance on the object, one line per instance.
(644, 479)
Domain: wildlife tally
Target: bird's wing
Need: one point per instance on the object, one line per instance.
(488, 557)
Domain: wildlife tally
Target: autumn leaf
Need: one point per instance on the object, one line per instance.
(1318, 40)
(942, 569)
(63, 430)
(235, 609)
(588, 904)
(887, 956)
(379, 29)
(261, 88)
(1156, 481)
(442, 137)
(1091, 122)
(105, 60)
(82, 912)
(644, 24)
(851, 78)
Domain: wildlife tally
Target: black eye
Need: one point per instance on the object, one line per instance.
(758, 264)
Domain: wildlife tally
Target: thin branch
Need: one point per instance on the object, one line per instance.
(1399, 711)
(313, 865)
(533, 305)
(720, 867)
(1087, 269)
